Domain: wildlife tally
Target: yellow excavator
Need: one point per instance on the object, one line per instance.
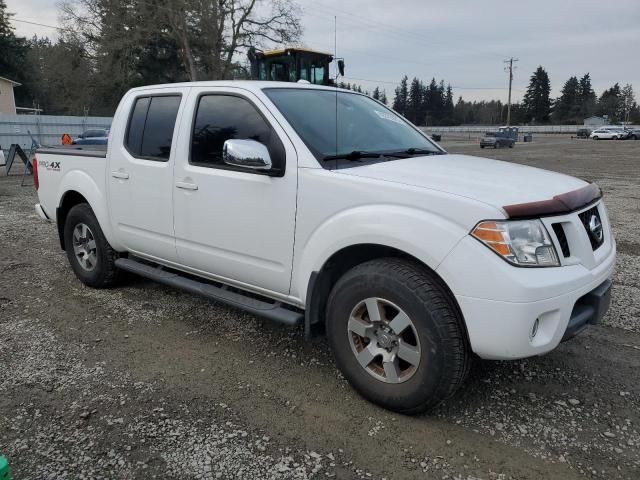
(292, 65)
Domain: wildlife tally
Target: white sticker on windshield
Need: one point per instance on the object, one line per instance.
(388, 116)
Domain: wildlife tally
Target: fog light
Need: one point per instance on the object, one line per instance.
(534, 328)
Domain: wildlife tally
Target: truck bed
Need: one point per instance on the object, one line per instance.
(77, 150)
(63, 168)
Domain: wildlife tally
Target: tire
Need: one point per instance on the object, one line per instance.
(511, 145)
(615, 137)
(495, 146)
(89, 253)
(634, 137)
(481, 146)
(435, 337)
(596, 138)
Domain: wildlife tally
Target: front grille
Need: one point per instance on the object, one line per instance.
(585, 218)
(562, 239)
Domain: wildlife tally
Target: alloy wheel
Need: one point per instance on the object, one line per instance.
(384, 340)
(84, 247)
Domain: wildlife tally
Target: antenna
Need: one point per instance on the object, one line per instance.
(335, 56)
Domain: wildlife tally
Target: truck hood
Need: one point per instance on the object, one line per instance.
(492, 182)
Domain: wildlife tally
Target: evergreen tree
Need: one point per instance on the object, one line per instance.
(432, 102)
(610, 103)
(588, 97)
(414, 103)
(447, 113)
(567, 108)
(376, 94)
(383, 97)
(13, 53)
(401, 96)
(537, 102)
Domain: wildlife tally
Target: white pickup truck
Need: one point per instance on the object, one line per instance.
(314, 205)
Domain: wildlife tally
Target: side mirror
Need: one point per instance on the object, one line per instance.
(341, 67)
(246, 154)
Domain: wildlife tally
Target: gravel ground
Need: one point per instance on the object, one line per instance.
(148, 382)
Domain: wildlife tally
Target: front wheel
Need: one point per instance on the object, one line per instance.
(397, 335)
(89, 253)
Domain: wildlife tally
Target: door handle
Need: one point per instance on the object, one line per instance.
(121, 175)
(187, 186)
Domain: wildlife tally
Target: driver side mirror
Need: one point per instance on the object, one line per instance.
(341, 67)
(246, 154)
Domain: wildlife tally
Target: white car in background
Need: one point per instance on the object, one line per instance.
(605, 134)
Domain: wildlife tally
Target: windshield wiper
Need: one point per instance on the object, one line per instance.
(354, 156)
(420, 151)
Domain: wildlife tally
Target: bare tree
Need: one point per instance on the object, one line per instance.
(210, 34)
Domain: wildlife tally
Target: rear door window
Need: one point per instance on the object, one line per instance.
(150, 129)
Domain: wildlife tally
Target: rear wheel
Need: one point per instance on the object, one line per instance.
(596, 138)
(89, 253)
(397, 335)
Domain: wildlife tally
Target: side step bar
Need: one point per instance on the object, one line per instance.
(272, 311)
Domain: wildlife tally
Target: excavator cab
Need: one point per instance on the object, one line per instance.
(292, 65)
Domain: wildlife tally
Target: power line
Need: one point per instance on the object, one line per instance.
(35, 23)
(372, 25)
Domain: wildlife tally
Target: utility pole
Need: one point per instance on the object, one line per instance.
(510, 70)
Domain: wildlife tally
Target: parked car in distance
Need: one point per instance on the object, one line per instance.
(605, 134)
(92, 137)
(583, 133)
(495, 140)
(410, 259)
(634, 134)
(623, 132)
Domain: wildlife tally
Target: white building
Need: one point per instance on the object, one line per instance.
(596, 121)
(7, 99)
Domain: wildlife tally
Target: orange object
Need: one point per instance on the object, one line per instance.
(66, 139)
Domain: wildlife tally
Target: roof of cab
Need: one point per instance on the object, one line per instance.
(251, 85)
(280, 51)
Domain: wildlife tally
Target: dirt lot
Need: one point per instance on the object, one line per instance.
(148, 382)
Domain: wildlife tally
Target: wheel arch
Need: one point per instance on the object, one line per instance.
(69, 199)
(321, 281)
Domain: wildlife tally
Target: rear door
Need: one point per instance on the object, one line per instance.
(140, 172)
(230, 223)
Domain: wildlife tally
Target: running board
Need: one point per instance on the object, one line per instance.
(273, 311)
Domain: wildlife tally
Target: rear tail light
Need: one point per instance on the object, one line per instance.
(34, 169)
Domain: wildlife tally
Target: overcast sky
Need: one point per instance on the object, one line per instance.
(463, 43)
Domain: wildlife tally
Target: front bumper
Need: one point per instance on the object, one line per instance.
(501, 304)
(589, 310)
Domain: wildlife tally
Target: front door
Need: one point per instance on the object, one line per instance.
(140, 173)
(232, 223)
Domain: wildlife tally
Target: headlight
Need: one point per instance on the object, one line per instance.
(525, 243)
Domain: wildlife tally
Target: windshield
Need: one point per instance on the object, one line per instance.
(362, 124)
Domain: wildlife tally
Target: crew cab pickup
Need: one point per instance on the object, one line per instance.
(319, 206)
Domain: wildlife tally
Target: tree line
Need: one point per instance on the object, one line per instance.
(104, 48)
(432, 104)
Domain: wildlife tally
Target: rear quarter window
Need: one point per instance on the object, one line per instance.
(151, 124)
